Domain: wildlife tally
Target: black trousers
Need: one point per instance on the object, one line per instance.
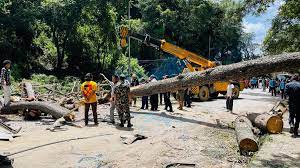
(168, 104)
(154, 102)
(144, 102)
(283, 95)
(94, 109)
(294, 117)
(229, 103)
(273, 90)
(187, 100)
(161, 95)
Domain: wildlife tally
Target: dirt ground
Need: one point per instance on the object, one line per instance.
(200, 135)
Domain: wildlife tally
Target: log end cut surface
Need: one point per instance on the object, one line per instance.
(248, 145)
(275, 125)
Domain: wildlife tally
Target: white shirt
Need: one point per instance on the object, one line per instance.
(112, 86)
(153, 80)
(230, 88)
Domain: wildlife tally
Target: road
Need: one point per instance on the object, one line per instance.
(201, 135)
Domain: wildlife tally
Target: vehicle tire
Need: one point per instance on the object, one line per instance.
(236, 91)
(214, 95)
(204, 93)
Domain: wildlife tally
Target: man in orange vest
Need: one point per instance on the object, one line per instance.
(88, 89)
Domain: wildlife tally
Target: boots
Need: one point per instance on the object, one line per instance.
(292, 130)
(121, 124)
(129, 125)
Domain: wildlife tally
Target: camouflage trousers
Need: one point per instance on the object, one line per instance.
(124, 113)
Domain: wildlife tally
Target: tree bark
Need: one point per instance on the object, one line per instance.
(53, 109)
(267, 122)
(237, 71)
(29, 92)
(244, 135)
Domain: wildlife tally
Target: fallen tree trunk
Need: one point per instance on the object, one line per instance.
(267, 122)
(29, 92)
(53, 109)
(261, 66)
(244, 135)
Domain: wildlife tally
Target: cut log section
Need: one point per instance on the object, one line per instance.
(266, 122)
(246, 140)
(53, 109)
(29, 92)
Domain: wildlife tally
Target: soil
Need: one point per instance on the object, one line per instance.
(202, 135)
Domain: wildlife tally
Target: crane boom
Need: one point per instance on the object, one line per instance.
(185, 55)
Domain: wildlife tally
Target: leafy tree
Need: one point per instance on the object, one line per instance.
(284, 33)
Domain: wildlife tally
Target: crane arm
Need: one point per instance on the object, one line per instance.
(187, 56)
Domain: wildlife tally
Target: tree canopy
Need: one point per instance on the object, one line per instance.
(72, 37)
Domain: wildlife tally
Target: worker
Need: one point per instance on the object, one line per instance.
(134, 82)
(112, 83)
(282, 89)
(187, 97)
(272, 86)
(229, 96)
(167, 96)
(89, 89)
(180, 98)
(144, 98)
(122, 91)
(153, 98)
(292, 89)
(6, 82)
(264, 83)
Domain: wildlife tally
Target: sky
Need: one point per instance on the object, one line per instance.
(259, 25)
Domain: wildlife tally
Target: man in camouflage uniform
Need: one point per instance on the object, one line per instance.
(122, 101)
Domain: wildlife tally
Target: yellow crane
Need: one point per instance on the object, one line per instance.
(210, 90)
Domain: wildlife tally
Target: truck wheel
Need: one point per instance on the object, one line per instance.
(204, 93)
(236, 91)
(214, 95)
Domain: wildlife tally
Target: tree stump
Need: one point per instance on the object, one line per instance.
(246, 140)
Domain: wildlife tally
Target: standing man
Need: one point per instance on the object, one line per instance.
(293, 91)
(229, 96)
(187, 97)
(153, 98)
(144, 98)
(122, 91)
(273, 87)
(264, 83)
(134, 82)
(5, 81)
(180, 98)
(282, 88)
(167, 100)
(88, 89)
(112, 83)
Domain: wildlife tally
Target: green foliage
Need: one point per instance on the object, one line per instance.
(64, 85)
(73, 37)
(284, 33)
(122, 67)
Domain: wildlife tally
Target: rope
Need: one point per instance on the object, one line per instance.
(56, 142)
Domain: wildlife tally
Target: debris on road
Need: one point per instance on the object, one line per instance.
(130, 139)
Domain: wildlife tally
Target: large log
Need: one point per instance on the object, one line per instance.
(266, 122)
(53, 109)
(244, 135)
(261, 66)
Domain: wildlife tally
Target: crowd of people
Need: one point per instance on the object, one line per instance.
(275, 86)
